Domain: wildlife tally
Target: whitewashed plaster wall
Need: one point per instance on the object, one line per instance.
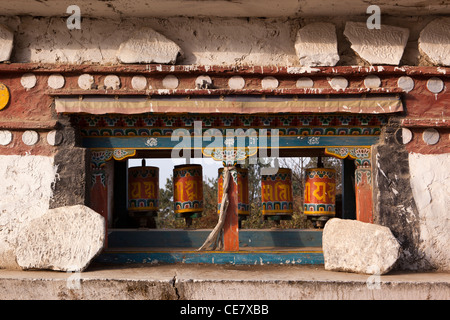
(430, 183)
(203, 41)
(26, 190)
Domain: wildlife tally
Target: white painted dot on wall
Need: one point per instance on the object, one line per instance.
(171, 82)
(202, 82)
(86, 81)
(28, 80)
(435, 85)
(54, 138)
(372, 81)
(236, 83)
(338, 83)
(269, 83)
(30, 137)
(430, 136)
(5, 137)
(112, 82)
(139, 82)
(304, 82)
(405, 83)
(56, 81)
(407, 135)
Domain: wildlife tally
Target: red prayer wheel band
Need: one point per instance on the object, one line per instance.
(320, 192)
(188, 189)
(143, 189)
(243, 199)
(276, 193)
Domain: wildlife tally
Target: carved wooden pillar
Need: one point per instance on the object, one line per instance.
(363, 189)
(363, 178)
(100, 195)
(99, 188)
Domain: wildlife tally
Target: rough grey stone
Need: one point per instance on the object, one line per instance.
(148, 46)
(355, 246)
(6, 43)
(434, 41)
(316, 45)
(64, 239)
(383, 46)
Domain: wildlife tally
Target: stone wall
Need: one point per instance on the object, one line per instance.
(411, 197)
(26, 189)
(408, 199)
(230, 41)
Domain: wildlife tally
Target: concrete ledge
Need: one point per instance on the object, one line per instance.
(219, 282)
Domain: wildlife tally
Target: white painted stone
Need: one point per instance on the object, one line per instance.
(6, 43)
(5, 137)
(54, 138)
(407, 135)
(148, 46)
(377, 46)
(430, 136)
(406, 83)
(26, 190)
(171, 82)
(86, 81)
(304, 82)
(112, 82)
(430, 184)
(56, 81)
(63, 239)
(203, 82)
(28, 80)
(236, 83)
(269, 83)
(355, 246)
(139, 82)
(435, 85)
(30, 137)
(316, 45)
(434, 41)
(338, 83)
(372, 81)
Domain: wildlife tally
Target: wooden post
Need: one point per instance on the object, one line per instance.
(231, 226)
(99, 187)
(363, 191)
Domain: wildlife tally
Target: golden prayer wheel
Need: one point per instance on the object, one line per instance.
(320, 194)
(188, 191)
(276, 195)
(143, 193)
(143, 189)
(243, 200)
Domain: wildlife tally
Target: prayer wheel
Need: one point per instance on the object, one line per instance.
(188, 191)
(143, 189)
(143, 193)
(243, 200)
(276, 195)
(320, 194)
